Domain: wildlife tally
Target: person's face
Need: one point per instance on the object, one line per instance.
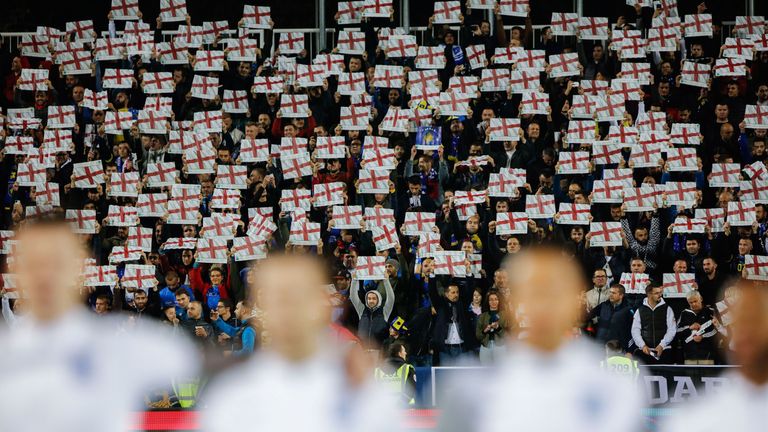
(680, 266)
(271, 99)
(616, 213)
(355, 65)
(534, 131)
(428, 266)
(477, 297)
(101, 306)
(655, 295)
(289, 131)
(122, 232)
(225, 156)
(692, 247)
(371, 300)
(425, 164)
(194, 311)
(577, 235)
(637, 266)
(295, 307)
(77, 94)
(485, 28)
(183, 300)
(695, 304)
(177, 76)
(414, 189)
(449, 39)
(172, 280)
(545, 182)
(244, 69)
(733, 90)
(666, 68)
(573, 190)
(170, 314)
(393, 96)
(452, 294)
(467, 247)
(154, 259)
(487, 114)
(123, 151)
(216, 277)
(513, 245)
(641, 235)
(709, 266)
(493, 302)
(41, 98)
(547, 301)
(473, 225)
(664, 89)
(206, 188)
(502, 207)
(696, 51)
(614, 295)
(239, 310)
(745, 246)
(721, 112)
(599, 279)
(597, 52)
(762, 93)
(475, 150)
(726, 132)
(264, 121)
(758, 148)
(16, 64)
(140, 299)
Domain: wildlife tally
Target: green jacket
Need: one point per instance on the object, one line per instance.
(500, 333)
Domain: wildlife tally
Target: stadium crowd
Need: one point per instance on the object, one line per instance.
(636, 144)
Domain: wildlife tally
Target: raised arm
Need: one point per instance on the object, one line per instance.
(389, 304)
(354, 296)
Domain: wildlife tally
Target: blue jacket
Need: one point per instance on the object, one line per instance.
(246, 332)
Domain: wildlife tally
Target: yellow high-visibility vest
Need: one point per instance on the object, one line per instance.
(186, 392)
(621, 365)
(397, 381)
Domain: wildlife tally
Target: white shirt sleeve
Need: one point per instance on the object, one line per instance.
(671, 329)
(8, 314)
(636, 336)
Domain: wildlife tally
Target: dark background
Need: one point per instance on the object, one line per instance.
(25, 15)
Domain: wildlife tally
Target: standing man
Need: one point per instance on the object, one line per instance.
(599, 291)
(453, 334)
(89, 373)
(607, 313)
(653, 327)
(397, 374)
(696, 328)
(544, 368)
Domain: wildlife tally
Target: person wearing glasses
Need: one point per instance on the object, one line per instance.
(599, 291)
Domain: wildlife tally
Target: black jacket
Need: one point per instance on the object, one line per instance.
(446, 311)
(608, 327)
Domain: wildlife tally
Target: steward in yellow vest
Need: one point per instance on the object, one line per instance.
(397, 375)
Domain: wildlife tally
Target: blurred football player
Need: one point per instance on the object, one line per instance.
(64, 370)
(547, 381)
(739, 406)
(304, 379)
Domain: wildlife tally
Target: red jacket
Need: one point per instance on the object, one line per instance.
(201, 287)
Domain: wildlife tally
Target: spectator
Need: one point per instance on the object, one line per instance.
(243, 336)
(611, 316)
(491, 328)
(599, 292)
(653, 328)
(374, 313)
(453, 335)
(196, 326)
(696, 329)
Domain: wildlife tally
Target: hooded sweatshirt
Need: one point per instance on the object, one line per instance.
(373, 326)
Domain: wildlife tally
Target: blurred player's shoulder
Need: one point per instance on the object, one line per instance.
(738, 406)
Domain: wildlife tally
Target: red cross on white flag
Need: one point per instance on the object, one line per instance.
(388, 76)
(219, 225)
(183, 212)
(122, 216)
(351, 42)
(294, 106)
(429, 243)
(698, 25)
(573, 162)
(678, 285)
(688, 225)
(755, 191)
(115, 122)
(88, 175)
(607, 191)
(593, 28)
(540, 206)
(200, 160)
(124, 253)
(152, 205)
(715, 218)
(125, 10)
(682, 159)
(755, 267)
(354, 118)
(373, 181)
(179, 243)
(634, 283)
(81, 221)
(291, 199)
(416, 223)
(205, 87)
(504, 129)
(605, 234)
(564, 65)
(511, 223)
(573, 214)
(225, 199)
(379, 158)
(377, 8)
(516, 8)
(256, 17)
(503, 184)
(680, 193)
(349, 12)
(297, 166)
(140, 237)
(564, 24)
(452, 263)
(173, 10)
(740, 213)
(249, 248)
(370, 268)
(756, 117)
(385, 236)
(291, 43)
(447, 12)
(476, 56)
(493, 80)
(347, 217)
(606, 153)
(328, 194)
(265, 85)
(378, 216)
(212, 250)
(305, 233)
(534, 103)
(644, 198)
(124, 184)
(695, 74)
(105, 275)
(611, 107)
(523, 80)
(429, 57)
(231, 176)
